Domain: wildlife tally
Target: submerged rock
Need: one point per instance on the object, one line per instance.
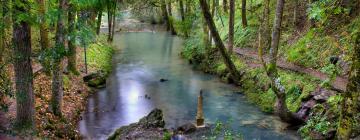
(163, 80)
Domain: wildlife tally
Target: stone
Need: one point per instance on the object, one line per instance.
(187, 128)
(163, 80)
(95, 80)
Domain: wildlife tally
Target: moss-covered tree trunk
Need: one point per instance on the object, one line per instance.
(98, 22)
(23, 70)
(44, 35)
(266, 24)
(281, 108)
(71, 66)
(225, 6)
(243, 13)
(350, 103)
(57, 66)
(231, 26)
(218, 42)
(165, 14)
(182, 10)
(169, 8)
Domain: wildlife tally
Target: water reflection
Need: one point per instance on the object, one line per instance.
(143, 59)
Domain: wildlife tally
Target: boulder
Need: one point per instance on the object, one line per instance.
(95, 80)
(187, 128)
(149, 127)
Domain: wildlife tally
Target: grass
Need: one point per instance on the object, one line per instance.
(100, 55)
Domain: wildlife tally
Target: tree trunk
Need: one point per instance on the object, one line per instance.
(71, 44)
(165, 14)
(243, 14)
(23, 70)
(218, 42)
(172, 29)
(98, 22)
(44, 35)
(182, 11)
(225, 6)
(350, 103)
(57, 70)
(2, 32)
(231, 26)
(110, 23)
(266, 25)
(213, 8)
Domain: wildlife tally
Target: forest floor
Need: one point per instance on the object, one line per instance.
(48, 125)
(253, 60)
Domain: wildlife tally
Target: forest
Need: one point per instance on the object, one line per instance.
(180, 69)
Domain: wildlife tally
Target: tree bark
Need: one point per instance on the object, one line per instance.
(165, 14)
(44, 35)
(266, 25)
(110, 22)
(218, 42)
(57, 70)
(350, 103)
(2, 32)
(172, 29)
(98, 22)
(231, 26)
(225, 6)
(71, 43)
(23, 70)
(243, 14)
(182, 10)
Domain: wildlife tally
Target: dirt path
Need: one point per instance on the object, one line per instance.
(339, 84)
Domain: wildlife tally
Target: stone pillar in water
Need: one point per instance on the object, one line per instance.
(200, 114)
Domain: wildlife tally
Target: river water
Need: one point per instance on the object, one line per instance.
(140, 61)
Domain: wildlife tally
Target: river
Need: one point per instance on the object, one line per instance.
(142, 59)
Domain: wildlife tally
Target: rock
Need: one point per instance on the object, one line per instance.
(149, 127)
(187, 128)
(147, 97)
(321, 94)
(163, 80)
(95, 80)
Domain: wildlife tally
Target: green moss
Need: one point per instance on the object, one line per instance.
(66, 81)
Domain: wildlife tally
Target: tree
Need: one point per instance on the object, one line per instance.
(57, 66)
(225, 6)
(169, 8)
(23, 70)
(281, 108)
(182, 10)
(71, 43)
(243, 14)
(231, 26)
(350, 103)
(218, 42)
(98, 22)
(44, 35)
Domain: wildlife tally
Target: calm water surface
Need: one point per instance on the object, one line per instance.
(143, 59)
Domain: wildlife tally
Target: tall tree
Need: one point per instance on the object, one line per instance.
(22, 65)
(231, 26)
(71, 66)
(57, 66)
(281, 108)
(169, 8)
(218, 42)
(225, 6)
(182, 10)
(243, 14)
(98, 22)
(350, 103)
(44, 35)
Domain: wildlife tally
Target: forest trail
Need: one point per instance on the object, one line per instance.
(338, 84)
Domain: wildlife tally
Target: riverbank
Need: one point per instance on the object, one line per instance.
(301, 88)
(74, 98)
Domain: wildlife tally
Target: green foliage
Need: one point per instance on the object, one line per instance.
(100, 55)
(312, 50)
(323, 10)
(223, 131)
(167, 136)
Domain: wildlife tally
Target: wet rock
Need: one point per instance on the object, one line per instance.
(187, 128)
(147, 97)
(149, 127)
(95, 80)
